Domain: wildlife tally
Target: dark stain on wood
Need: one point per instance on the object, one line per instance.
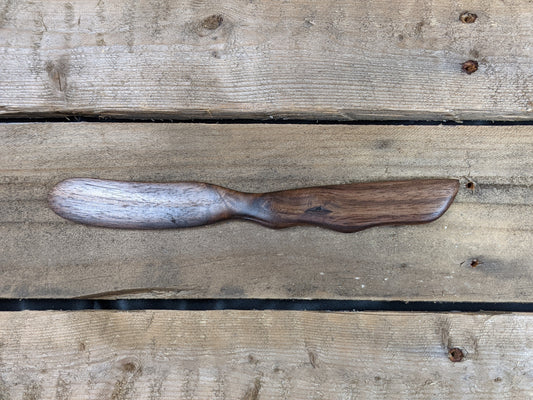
(63, 389)
(123, 389)
(57, 72)
(100, 11)
(313, 358)
(443, 330)
(100, 41)
(161, 12)
(301, 289)
(156, 388)
(232, 291)
(39, 30)
(69, 15)
(351, 207)
(129, 17)
(69, 20)
(125, 386)
(5, 11)
(32, 391)
(474, 53)
(253, 392)
(383, 144)
(128, 292)
(418, 28)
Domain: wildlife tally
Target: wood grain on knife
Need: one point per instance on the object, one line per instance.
(345, 208)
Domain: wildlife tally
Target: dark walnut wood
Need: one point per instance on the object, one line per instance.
(344, 208)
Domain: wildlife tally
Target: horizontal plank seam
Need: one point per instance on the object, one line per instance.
(260, 304)
(74, 119)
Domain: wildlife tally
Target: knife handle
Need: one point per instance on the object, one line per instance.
(344, 208)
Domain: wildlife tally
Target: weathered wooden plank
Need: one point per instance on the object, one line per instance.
(45, 256)
(264, 355)
(260, 59)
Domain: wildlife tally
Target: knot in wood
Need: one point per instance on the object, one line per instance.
(468, 18)
(212, 22)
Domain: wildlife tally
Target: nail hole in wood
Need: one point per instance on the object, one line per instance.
(470, 66)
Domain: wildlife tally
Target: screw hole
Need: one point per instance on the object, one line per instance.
(455, 354)
(470, 66)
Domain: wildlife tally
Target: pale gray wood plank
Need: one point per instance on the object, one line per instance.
(260, 59)
(264, 355)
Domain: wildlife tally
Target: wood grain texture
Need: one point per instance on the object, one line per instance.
(264, 355)
(344, 208)
(261, 59)
(490, 221)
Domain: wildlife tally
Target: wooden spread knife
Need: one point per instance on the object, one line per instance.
(344, 208)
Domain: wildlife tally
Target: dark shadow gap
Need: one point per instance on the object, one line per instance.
(266, 121)
(259, 304)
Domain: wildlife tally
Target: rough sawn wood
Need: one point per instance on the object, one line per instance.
(254, 355)
(489, 225)
(332, 59)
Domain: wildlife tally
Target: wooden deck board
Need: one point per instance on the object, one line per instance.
(235, 59)
(264, 355)
(45, 256)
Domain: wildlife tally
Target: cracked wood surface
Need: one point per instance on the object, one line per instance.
(480, 250)
(253, 355)
(259, 59)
